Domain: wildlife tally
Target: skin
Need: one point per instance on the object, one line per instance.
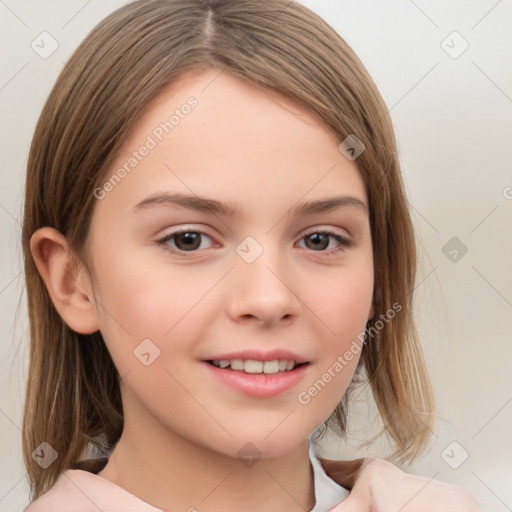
(183, 428)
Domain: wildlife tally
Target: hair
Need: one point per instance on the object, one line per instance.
(73, 399)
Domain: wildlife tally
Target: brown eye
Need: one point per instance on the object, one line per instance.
(184, 241)
(189, 241)
(319, 241)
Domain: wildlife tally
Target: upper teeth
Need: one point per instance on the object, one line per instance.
(253, 366)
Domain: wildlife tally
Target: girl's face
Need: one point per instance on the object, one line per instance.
(275, 265)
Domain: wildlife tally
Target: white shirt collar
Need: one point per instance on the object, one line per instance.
(328, 493)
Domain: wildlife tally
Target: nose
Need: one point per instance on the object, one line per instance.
(262, 291)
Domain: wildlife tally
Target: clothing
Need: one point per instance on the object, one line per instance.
(328, 493)
(82, 490)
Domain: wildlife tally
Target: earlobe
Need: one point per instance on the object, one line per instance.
(69, 288)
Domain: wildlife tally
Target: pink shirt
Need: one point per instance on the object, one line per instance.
(78, 490)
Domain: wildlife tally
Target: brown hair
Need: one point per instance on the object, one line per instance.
(73, 398)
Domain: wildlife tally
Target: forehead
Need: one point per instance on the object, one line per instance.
(224, 103)
(213, 134)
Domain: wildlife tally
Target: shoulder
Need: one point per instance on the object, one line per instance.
(380, 485)
(77, 490)
(66, 495)
(63, 494)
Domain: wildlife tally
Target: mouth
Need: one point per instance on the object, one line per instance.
(257, 374)
(254, 367)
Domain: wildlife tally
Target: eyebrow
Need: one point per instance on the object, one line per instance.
(231, 209)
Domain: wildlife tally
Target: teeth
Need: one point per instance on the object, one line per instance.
(253, 366)
(271, 366)
(236, 364)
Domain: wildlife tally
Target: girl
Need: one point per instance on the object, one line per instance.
(217, 241)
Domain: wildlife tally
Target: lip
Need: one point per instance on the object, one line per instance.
(260, 356)
(259, 385)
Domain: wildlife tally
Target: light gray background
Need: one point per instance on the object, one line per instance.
(453, 118)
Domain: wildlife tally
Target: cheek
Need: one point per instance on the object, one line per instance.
(343, 305)
(147, 325)
(342, 302)
(138, 302)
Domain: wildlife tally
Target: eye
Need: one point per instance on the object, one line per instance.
(184, 240)
(319, 241)
(190, 240)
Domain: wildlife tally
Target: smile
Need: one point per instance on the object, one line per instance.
(254, 378)
(254, 366)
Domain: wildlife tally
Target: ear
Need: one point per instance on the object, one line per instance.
(69, 287)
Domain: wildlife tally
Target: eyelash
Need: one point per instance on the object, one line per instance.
(344, 242)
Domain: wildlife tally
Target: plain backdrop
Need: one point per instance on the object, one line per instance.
(443, 68)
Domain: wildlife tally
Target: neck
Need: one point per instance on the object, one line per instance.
(173, 473)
